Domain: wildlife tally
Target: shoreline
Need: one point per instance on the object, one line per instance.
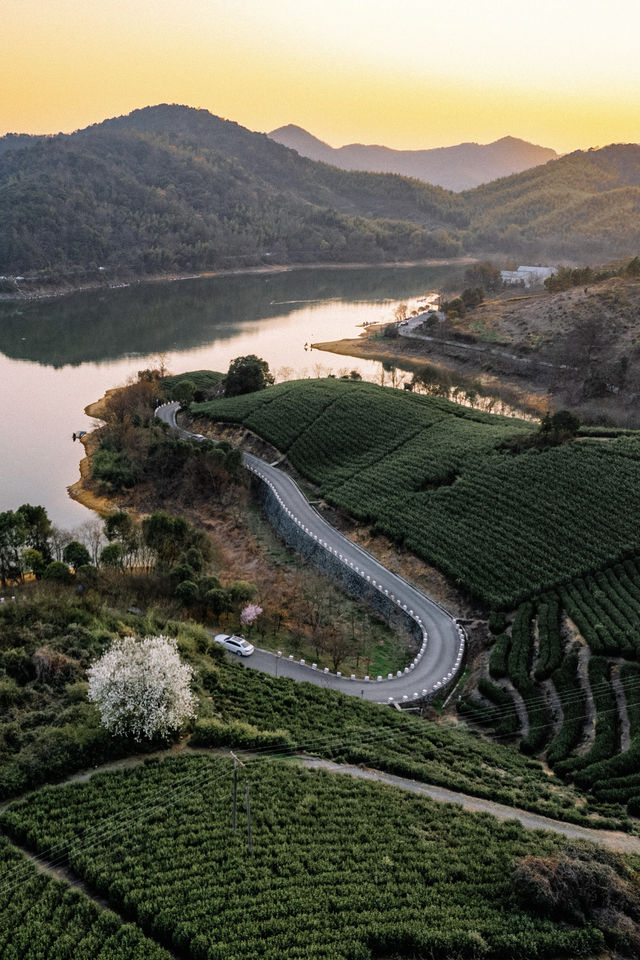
(44, 292)
(78, 490)
(530, 401)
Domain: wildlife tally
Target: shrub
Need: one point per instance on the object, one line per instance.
(187, 592)
(58, 572)
(237, 733)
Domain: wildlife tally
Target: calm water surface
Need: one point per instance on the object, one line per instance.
(56, 356)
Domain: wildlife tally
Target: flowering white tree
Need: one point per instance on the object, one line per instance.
(141, 687)
(250, 614)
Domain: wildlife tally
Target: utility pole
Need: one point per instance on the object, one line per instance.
(248, 822)
(235, 791)
(235, 786)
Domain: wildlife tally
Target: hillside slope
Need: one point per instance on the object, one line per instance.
(459, 167)
(171, 188)
(439, 478)
(587, 204)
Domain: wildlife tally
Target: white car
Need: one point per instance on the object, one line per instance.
(235, 644)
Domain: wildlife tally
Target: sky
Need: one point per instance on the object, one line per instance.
(409, 74)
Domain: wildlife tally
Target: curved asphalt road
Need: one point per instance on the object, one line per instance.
(442, 645)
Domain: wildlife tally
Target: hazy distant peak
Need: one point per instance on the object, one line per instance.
(458, 167)
(292, 130)
(303, 143)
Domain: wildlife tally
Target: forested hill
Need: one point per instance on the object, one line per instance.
(586, 204)
(172, 188)
(15, 141)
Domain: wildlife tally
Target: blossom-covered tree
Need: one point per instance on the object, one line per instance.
(141, 687)
(250, 614)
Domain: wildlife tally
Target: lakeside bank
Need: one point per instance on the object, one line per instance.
(80, 491)
(410, 356)
(66, 287)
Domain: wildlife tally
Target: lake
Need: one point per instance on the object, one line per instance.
(58, 355)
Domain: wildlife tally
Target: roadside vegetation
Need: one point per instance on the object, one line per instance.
(211, 577)
(50, 636)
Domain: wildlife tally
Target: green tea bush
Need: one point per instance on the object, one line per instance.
(237, 733)
(338, 868)
(41, 917)
(436, 477)
(565, 679)
(499, 656)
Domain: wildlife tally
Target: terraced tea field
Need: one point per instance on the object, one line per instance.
(338, 868)
(434, 476)
(573, 658)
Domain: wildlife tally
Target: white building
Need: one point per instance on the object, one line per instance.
(526, 276)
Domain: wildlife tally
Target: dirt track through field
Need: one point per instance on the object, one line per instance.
(611, 839)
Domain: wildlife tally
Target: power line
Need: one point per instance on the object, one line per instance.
(151, 806)
(99, 835)
(541, 700)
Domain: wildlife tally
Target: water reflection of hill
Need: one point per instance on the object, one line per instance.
(151, 318)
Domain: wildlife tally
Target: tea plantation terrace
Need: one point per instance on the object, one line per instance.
(474, 494)
(440, 638)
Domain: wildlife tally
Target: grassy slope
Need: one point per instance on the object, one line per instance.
(430, 474)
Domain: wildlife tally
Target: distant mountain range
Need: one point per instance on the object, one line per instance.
(457, 168)
(173, 189)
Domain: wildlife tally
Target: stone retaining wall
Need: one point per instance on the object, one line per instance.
(331, 565)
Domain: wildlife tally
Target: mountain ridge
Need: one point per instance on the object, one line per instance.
(171, 189)
(458, 167)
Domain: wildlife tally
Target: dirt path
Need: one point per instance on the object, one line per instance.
(589, 728)
(611, 839)
(555, 705)
(621, 703)
(520, 705)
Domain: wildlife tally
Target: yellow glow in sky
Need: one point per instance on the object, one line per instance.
(406, 73)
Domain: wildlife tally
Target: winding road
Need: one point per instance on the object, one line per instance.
(442, 645)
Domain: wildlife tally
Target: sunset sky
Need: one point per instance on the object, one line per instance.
(406, 73)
